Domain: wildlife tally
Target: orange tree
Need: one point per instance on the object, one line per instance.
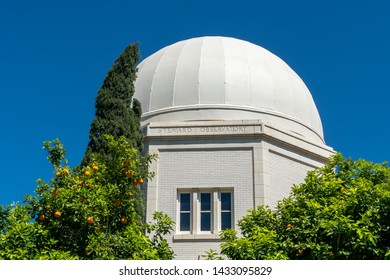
(341, 211)
(86, 213)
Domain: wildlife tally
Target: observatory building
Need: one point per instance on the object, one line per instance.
(233, 127)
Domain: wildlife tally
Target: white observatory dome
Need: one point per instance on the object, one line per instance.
(219, 78)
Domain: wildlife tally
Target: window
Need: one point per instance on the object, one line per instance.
(202, 211)
(226, 210)
(185, 212)
(205, 211)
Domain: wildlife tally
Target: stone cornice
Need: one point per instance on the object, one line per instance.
(228, 129)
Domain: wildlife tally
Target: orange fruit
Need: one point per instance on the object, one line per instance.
(57, 214)
(55, 192)
(41, 217)
(58, 174)
(140, 181)
(123, 220)
(91, 165)
(66, 171)
(289, 226)
(90, 220)
(95, 168)
(87, 173)
(129, 174)
(117, 202)
(135, 182)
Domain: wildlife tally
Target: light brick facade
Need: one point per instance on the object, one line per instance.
(255, 162)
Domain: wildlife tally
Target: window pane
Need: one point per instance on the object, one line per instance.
(205, 201)
(185, 222)
(185, 202)
(226, 218)
(205, 209)
(185, 212)
(226, 201)
(205, 221)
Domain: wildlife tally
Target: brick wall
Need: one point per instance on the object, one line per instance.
(204, 168)
(284, 172)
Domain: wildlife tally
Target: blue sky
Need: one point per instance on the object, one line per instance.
(54, 56)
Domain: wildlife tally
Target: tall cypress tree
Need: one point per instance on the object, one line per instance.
(117, 113)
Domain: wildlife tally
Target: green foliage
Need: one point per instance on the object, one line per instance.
(161, 226)
(86, 213)
(117, 114)
(212, 255)
(341, 211)
(21, 239)
(56, 152)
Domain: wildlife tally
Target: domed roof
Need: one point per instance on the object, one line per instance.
(220, 78)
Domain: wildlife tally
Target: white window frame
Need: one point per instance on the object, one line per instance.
(195, 210)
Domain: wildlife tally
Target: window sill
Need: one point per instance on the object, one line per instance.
(194, 237)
